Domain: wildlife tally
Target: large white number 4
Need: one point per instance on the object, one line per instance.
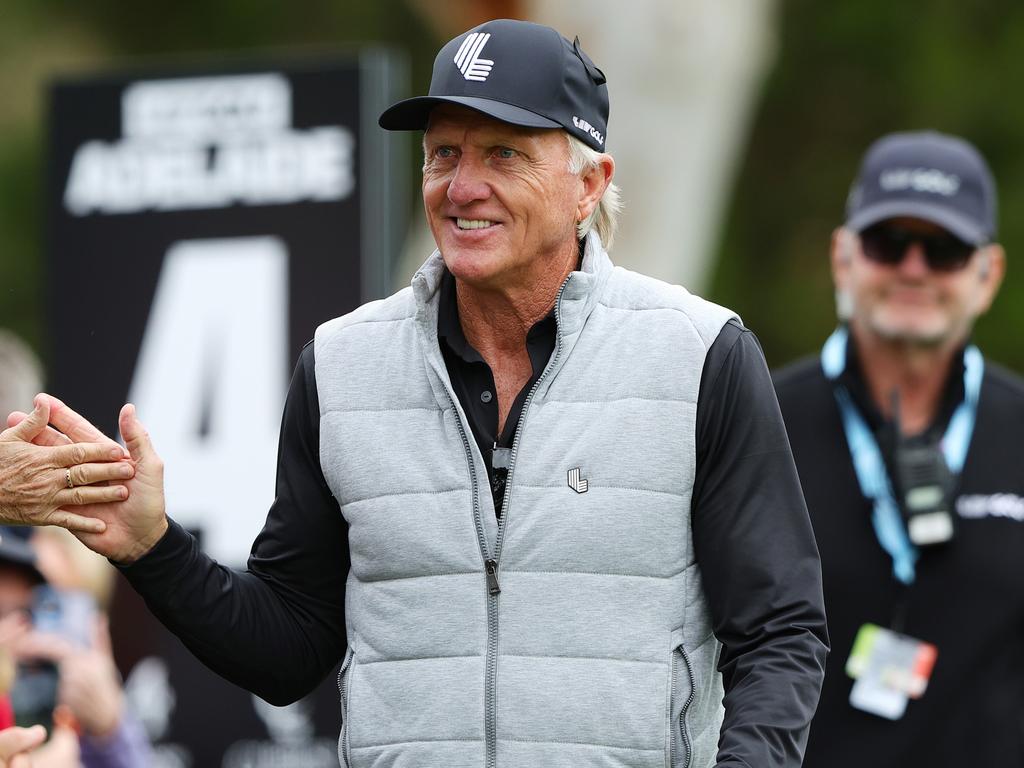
(210, 383)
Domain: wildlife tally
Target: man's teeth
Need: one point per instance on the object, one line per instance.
(473, 223)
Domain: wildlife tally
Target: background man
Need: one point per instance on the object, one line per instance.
(644, 550)
(62, 642)
(907, 445)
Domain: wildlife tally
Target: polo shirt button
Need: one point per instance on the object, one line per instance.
(486, 396)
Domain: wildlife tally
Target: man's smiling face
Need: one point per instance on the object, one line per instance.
(499, 198)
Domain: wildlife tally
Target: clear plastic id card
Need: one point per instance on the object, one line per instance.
(889, 669)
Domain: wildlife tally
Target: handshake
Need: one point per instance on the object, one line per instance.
(58, 469)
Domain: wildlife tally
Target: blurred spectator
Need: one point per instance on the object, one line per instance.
(906, 440)
(65, 655)
(21, 374)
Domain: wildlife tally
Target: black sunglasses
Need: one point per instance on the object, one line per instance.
(888, 244)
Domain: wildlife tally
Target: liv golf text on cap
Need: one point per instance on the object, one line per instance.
(926, 175)
(517, 72)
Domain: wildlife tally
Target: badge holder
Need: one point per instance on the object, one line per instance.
(924, 481)
(889, 669)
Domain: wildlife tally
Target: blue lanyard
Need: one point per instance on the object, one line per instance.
(867, 456)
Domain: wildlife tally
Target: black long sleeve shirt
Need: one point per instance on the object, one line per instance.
(278, 627)
(967, 597)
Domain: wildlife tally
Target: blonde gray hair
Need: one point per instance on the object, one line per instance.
(605, 216)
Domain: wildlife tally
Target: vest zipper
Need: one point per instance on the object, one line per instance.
(681, 724)
(491, 563)
(490, 572)
(502, 524)
(343, 750)
(493, 587)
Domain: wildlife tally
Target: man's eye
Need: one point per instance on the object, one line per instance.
(505, 153)
(444, 152)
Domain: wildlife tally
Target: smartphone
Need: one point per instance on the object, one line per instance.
(68, 614)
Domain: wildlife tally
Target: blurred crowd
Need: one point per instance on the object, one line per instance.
(57, 667)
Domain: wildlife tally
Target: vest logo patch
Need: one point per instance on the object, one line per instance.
(577, 483)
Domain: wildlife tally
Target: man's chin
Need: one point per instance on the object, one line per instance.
(914, 331)
(470, 263)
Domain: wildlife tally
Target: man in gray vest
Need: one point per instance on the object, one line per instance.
(543, 510)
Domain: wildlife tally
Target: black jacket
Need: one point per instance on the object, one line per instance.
(967, 599)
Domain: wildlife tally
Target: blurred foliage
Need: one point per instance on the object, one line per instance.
(847, 73)
(40, 39)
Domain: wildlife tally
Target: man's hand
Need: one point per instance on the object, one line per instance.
(15, 742)
(128, 528)
(50, 483)
(90, 685)
(133, 526)
(62, 750)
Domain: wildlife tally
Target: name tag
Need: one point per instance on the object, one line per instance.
(889, 669)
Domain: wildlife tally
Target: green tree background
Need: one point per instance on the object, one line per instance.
(846, 72)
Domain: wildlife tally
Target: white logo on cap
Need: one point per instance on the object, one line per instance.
(586, 127)
(468, 58)
(919, 180)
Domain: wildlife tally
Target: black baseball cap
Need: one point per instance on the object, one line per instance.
(517, 72)
(928, 175)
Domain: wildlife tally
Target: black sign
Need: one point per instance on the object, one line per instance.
(201, 224)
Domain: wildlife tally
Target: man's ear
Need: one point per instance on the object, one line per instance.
(595, 181)
(990, 268)
(844, 242)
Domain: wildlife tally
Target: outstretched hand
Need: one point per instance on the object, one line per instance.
(125, 528)
(133, 526)
(47, 483)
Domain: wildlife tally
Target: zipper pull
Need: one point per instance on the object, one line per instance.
(491, 567)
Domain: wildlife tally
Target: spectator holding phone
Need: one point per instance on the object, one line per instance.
(18, 580)
(65, 655)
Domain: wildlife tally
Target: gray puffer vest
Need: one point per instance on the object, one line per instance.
(574, 634)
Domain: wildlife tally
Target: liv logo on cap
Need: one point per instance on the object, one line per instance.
(541, 80)
(926, 175)
(468, 58)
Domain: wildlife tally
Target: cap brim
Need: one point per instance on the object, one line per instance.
(412, 114)
(948, 219)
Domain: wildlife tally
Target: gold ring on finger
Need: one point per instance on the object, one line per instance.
(67, 478)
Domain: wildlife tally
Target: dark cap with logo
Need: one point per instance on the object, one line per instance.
(927, 175)
(517, 72)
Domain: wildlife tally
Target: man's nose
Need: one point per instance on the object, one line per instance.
(914, 263)
(469, 183)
